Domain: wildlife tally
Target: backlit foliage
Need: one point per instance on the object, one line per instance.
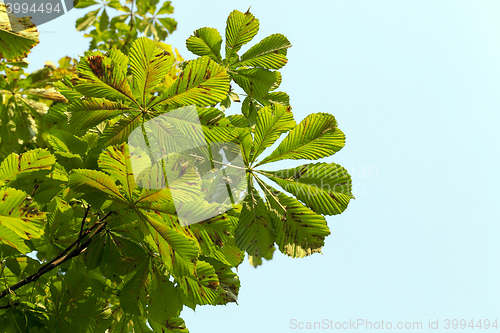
(109, 255)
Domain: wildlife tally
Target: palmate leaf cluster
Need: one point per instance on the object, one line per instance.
(24, 98)
(112, 256)
(134, 17)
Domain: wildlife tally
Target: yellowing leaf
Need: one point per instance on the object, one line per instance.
(21, 216)
(17, 35)
(17, 166)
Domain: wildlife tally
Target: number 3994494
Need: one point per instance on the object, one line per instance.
(26, 8)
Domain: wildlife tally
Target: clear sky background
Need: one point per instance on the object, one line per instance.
(415, 87)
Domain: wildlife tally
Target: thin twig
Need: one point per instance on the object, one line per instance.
(61, 258)
(35, 188)
(9, 305)
(63, 253)
(264, 173)
(83, 223)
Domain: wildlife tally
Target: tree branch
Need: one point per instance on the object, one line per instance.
(83, 223)
(9, 305)
(62, 257)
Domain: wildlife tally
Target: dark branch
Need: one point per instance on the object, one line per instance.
(9, 305)
(62, 257)
(83, 223)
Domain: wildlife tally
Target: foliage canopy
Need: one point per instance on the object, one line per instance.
(111, 253)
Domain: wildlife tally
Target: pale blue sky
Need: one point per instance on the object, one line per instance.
(415, 87)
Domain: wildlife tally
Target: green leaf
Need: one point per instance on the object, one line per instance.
(177, 250)
(115, 160)
(120, 254)
(11, 238)
(201, 288)
(212, 234)
(277, 97)
(67, 89)
(244, 138)
(279, 79)
(256, 82)
(299, 231)
(43, 187)
(20, 218)
(119, 132)
(216, 127)
(229, 284)
(103, 21)
(74, 289)
(240, 29)
(249, 108)
(269, 53)
(116, 5)
(168, 23)
(66, 144)
(59, 221)
(84, 3)
(316, 136)
(17, 35)
(141, 325)
(166, 8)
(272, 121)
(325, 188)
(18, 166)
(205, 42)
(93, 111)
(144, 6)
(165, 300)
(255, 234)
(82, 180)
(183, 182)
(85, 22)
(149, 65)
(149, 197)
(133, 294)
(203, 82)
(229, 254)
(106, 77)
(115, 72)
(238, 120)
(94, 253)
(170, 325)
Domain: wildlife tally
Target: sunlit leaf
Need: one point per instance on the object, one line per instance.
(20, 218)
(17, 35)
(325, 188)
(315, 137)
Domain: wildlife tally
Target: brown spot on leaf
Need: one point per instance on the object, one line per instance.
(95, 64)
